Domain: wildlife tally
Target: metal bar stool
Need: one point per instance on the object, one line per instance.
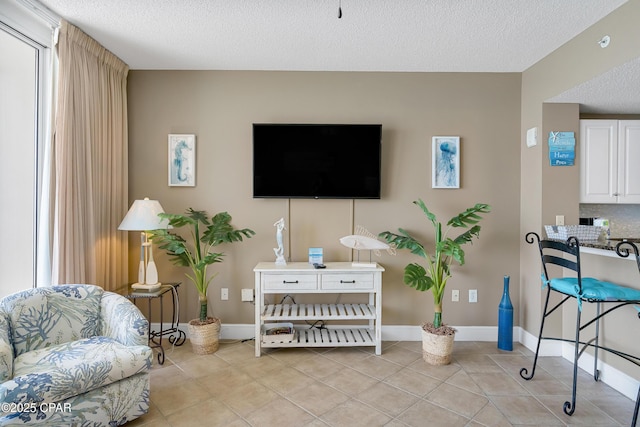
(582, 290)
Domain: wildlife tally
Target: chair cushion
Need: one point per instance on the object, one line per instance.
(594, 289)
(66, 370)
(54, 315)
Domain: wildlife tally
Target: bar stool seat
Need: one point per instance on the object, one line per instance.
(593, 290)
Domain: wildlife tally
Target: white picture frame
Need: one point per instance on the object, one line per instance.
(445, 162)
(182, 160)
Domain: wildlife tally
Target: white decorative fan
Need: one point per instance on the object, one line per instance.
(364, 240)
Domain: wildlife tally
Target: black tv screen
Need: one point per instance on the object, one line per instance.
(317, 161)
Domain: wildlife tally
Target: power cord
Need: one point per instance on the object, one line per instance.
(284, 298)
(312, 325)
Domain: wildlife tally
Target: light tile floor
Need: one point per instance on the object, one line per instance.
(353, 387)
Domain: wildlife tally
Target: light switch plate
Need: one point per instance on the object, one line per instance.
(532, 137)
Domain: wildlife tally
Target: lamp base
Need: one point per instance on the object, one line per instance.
(146, 287)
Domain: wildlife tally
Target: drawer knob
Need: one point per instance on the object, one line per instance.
(285, 281)
(347, 281)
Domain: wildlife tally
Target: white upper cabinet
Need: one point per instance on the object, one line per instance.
(629, 161)
(609, 159)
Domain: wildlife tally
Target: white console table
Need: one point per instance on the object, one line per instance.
(303, 278)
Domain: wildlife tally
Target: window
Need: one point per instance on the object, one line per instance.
(24, 128)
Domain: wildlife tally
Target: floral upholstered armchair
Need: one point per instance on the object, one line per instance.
(72, 355)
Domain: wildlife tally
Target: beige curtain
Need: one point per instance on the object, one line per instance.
(90, 163)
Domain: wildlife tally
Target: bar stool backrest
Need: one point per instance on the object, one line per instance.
(564, 254)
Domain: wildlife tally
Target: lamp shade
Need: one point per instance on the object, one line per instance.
(143, 216)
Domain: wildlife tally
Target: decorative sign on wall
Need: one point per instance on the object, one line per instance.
(562, 148)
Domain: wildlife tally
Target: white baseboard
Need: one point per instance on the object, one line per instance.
(237, 331)
(463, 333)
(227, 331)
(389, 333)
(547, 348)
(611, 376)
(401, 333)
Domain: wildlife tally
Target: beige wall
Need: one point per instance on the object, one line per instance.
(219, 107)
(619, 329)
(491, 112)
(542, 195)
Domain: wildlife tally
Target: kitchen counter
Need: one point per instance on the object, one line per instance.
(604, 248)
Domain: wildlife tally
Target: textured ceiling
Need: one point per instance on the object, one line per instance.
(615, 92)
(372, 35)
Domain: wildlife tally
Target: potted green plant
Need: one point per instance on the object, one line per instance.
(197, 253)
(437, 337)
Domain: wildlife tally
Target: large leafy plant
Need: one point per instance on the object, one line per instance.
(437, 271)
(197, 251)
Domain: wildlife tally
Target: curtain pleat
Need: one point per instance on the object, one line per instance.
(90, 162)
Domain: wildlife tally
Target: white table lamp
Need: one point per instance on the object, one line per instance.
(143, 216)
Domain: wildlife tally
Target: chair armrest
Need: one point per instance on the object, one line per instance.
(121, 320)
(6, 349)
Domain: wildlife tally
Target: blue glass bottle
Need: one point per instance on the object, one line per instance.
(505, 319)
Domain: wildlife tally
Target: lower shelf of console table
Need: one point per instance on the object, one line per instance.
(330, 337)
(301, 278)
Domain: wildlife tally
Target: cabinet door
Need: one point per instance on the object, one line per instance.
(598, 161)
(629, 161)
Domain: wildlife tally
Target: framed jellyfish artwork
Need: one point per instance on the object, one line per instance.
(445, 162)
(182, 160)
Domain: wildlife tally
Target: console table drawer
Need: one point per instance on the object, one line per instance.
(290, 282)
(347, 281)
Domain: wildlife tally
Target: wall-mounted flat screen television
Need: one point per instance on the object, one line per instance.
(317, 161)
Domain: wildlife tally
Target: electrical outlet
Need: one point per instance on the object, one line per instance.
(247, 295)
(473, 295)
(455, 295)
(224, 294)
(559, 219)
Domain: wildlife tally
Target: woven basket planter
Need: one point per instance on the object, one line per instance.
(437, 349)
(205, 338)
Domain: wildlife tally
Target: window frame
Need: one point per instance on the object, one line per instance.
(38, 31)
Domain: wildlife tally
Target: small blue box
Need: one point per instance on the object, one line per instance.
(315, 255)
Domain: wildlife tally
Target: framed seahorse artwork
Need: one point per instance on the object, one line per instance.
(182, 160)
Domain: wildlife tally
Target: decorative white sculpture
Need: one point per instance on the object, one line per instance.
(365, 240)
(279, 251)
